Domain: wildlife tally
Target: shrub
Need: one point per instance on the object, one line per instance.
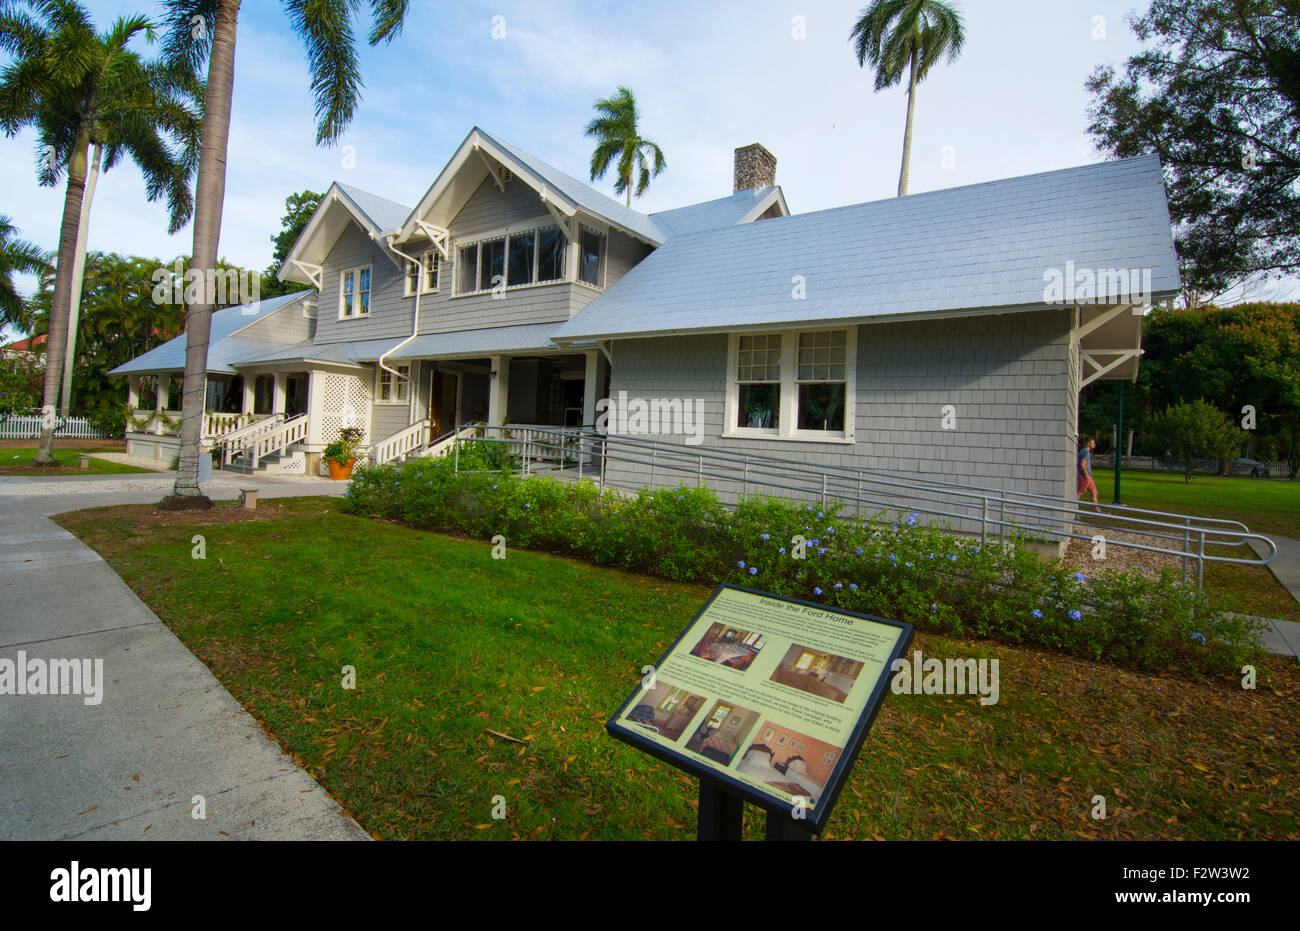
(903, 569)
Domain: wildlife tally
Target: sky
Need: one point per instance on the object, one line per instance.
(708, 77)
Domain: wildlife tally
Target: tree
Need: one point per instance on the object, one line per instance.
(298, 209)
(17, 256)
(1217, 97)
(1196, 430)
(898, 37)
(202, 30)
(617, 137)
(80, 88)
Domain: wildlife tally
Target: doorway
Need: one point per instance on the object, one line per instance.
(444, 388)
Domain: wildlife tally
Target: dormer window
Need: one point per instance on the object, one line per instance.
(422, 276)
(515, 260)
(354, 292)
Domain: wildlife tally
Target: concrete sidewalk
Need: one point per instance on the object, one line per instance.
(1283, 637)
(166, 729)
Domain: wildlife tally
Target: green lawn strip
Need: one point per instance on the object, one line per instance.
(13, 461)
(1267, 507)
(449, 643)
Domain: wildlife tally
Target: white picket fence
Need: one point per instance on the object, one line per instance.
(28, 427)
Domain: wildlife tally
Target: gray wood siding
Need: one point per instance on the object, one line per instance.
(1008, 377)
(624, 253)
(390, 311)
(287, 325)
(490, 208)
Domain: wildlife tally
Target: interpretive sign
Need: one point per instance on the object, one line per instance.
(768, 697)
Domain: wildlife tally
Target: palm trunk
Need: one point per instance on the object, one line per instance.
(907, 130)
(210, 192)
(57, 335)
(78, 273)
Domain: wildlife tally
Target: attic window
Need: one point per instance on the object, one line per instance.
(591, 258)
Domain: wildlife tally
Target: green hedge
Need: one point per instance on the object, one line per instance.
(906, 570)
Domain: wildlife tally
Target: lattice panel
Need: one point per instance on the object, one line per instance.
(345, 402)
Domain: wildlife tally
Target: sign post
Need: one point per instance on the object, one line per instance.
(766, 700)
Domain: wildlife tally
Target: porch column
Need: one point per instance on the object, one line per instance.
(591, 385)
(132, 392)
(315, 404)
(250, 394)
(277, 399)
(160, 405)
(499, 391)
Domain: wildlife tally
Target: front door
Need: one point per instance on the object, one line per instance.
(442, 402)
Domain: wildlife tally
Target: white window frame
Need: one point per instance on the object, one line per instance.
(400, 385)
(603, 236)
(421, 275)
(536, 228)
(787, 424)
(356, 292)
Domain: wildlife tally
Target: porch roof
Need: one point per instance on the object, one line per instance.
(350, 353)
(225, 347)
(530, 337)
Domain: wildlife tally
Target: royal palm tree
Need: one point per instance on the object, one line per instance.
(79, 89)
(617, 137)
(909, 37)
(17, 256)
(202, 30)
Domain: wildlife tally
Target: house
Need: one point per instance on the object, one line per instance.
(30, 349)
(944, 334)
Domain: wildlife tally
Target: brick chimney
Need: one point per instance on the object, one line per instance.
(755, 168)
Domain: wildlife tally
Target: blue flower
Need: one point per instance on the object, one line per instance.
(858, 551)
(909, 565)
(893, 559)
(766, 536)
(1074, 615)
(853, 586)
(953, 557)
(830, 529)
(820, 514)
(1036, 613)
(821, 551)
(912, 519)
(934, 606)
(1078, 577)
(817, 590)
(839, 585)
(741, 564)
(781, 551)
(527, 504)
(753, 571)
(1200, 637)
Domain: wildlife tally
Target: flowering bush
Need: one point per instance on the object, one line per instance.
(903, 569)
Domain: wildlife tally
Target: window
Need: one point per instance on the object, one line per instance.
(821, 379)
(591, 258)
(759, 378)
(516, 260)
(422, 276)
(796, 385)
(354, 292)
(390, 391)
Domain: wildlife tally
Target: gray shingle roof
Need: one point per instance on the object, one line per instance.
(712, 214)
(524, 338)
(384, 213)
(223, 348)
(977, 247)
(585, 196)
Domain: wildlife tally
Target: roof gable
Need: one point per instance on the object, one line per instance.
(340, 205)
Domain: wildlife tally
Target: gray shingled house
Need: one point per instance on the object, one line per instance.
(937, 334)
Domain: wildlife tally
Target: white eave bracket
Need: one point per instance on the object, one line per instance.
(440, 236)
(491, 168)
(567, 222)
(1101, 370)
(313, 272)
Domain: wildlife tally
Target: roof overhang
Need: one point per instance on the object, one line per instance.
(331, 217)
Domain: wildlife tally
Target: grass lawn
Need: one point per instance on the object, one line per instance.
(17, 462)
(1267, 507)
(449, 644)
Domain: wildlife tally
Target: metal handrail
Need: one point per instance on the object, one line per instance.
(1055, 518)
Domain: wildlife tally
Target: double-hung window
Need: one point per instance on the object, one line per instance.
(354, 292)
(422, 276)
(390, 390)
(591, 258)
(792, 384)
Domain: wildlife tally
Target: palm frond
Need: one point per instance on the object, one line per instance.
(325, 28)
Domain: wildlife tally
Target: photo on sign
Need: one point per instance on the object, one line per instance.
(728, 646)
(790, 761)
(723, 730)
(817, 672)
(665, 710)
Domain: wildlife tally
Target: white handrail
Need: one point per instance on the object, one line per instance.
(276, 441)
(441, 446)
(232, 444)
(400, 443)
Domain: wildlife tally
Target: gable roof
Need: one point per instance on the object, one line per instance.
(340, 204)
(978, 248)
(225, 345)
(740, 207)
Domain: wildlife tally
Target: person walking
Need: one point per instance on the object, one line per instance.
(1084, 481)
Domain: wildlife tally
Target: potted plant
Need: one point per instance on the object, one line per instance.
(341, 455)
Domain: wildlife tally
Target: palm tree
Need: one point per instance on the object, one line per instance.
(81, 88)
(201, 30)
(17, 256)
(617, 137)
(907, 36)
